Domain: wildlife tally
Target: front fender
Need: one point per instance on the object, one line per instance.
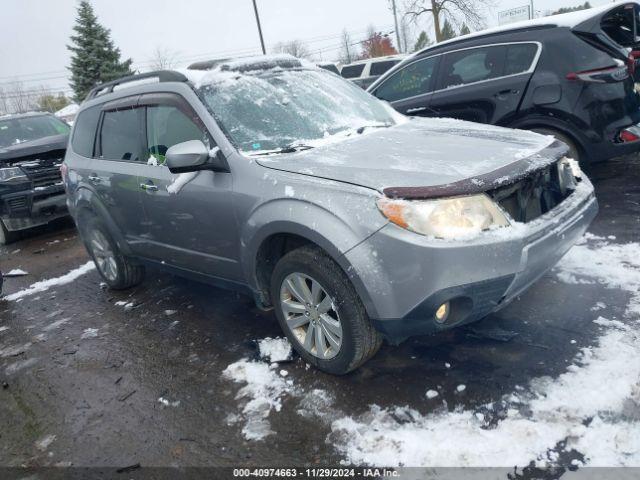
(84, 200)
(310, 221)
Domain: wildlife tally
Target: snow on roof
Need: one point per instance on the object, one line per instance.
(70, 109)
(568, 20)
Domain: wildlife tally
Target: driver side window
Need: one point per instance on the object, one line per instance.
(167, 126)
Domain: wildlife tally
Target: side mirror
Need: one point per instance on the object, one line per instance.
(193, 156)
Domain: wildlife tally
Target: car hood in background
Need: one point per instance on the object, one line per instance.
(426, 158)
(34, 148)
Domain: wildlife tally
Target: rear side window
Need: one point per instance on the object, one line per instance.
(414, 79)
(470, 66)
(352, 71)
(378, 68)
(520, 57)
(120, 136)
(84, 133)
(167, 126)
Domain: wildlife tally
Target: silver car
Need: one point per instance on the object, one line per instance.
(354, 223)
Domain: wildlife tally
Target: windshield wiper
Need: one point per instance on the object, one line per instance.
(290, 148)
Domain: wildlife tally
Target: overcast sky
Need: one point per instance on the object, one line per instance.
(34, 33)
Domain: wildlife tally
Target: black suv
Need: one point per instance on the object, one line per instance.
(32, 147)
(568, 75)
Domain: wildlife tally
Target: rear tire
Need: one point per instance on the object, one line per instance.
(574, 150)
(118, 271)
(335, 310)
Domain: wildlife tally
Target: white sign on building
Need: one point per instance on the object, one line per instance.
(514, 15)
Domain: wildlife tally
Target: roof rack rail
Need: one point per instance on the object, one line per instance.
(161, 75)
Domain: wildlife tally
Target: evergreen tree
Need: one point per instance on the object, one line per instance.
(586, 6)
(465, 30)
(447, 31)
(94, 58)
(422, 41)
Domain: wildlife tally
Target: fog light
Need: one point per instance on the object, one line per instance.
(442, 313)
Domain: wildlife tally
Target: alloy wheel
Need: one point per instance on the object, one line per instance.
(104, 255)
(310, 314)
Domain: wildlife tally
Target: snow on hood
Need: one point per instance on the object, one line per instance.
(421, 153)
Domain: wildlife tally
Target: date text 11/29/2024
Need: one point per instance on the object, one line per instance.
(318, 472)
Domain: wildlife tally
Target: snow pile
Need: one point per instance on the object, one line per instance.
(584, 406)
(275, 349)
(614, 266)
(44, 285)
(263, 392)
(16, 272)
(68, 111)
(89, 333)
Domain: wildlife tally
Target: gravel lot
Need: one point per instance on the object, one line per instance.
(94, 377)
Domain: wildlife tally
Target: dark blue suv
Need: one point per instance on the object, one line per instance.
(570, 76)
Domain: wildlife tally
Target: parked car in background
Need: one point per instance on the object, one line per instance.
(32, 148)
(568, 75)
(364, 72)
(276, 178)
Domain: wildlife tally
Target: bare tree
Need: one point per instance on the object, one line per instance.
(163, 59)
(20, 100)
(469, 11)
(347, 50)
(296, 48)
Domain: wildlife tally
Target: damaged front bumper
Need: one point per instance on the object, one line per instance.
(404, 278)
(23, 209)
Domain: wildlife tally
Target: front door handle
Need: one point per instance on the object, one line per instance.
(504, 93)
(94, 178)
(148, 187)
(416, 110)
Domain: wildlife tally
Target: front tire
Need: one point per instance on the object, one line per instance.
(117, 270)
(321, 313)
(6, 236)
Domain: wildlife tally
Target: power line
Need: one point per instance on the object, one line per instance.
(179, 59)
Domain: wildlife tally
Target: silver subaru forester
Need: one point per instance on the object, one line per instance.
(354, 223)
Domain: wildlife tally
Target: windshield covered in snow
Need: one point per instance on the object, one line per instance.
(272, 110)
(24, 129)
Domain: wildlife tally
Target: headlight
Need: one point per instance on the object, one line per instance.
(11, 173)
(448, 218)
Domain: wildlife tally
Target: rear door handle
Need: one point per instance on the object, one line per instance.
(148, 187)
(416, 110)
(94, 178)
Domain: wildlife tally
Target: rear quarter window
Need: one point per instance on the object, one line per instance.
(84, 132)
(352, 71)
(520, 58)
(378, 68)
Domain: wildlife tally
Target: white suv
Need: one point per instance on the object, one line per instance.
(364, 72)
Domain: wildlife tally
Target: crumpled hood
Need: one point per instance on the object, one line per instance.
(33, 148)
(425, 153)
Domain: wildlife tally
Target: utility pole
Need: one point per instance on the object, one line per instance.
(255, 9)
(533, 12)
(395, 19)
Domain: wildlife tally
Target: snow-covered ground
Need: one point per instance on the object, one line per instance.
(580, 413)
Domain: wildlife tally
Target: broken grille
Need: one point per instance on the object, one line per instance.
(535, 195)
